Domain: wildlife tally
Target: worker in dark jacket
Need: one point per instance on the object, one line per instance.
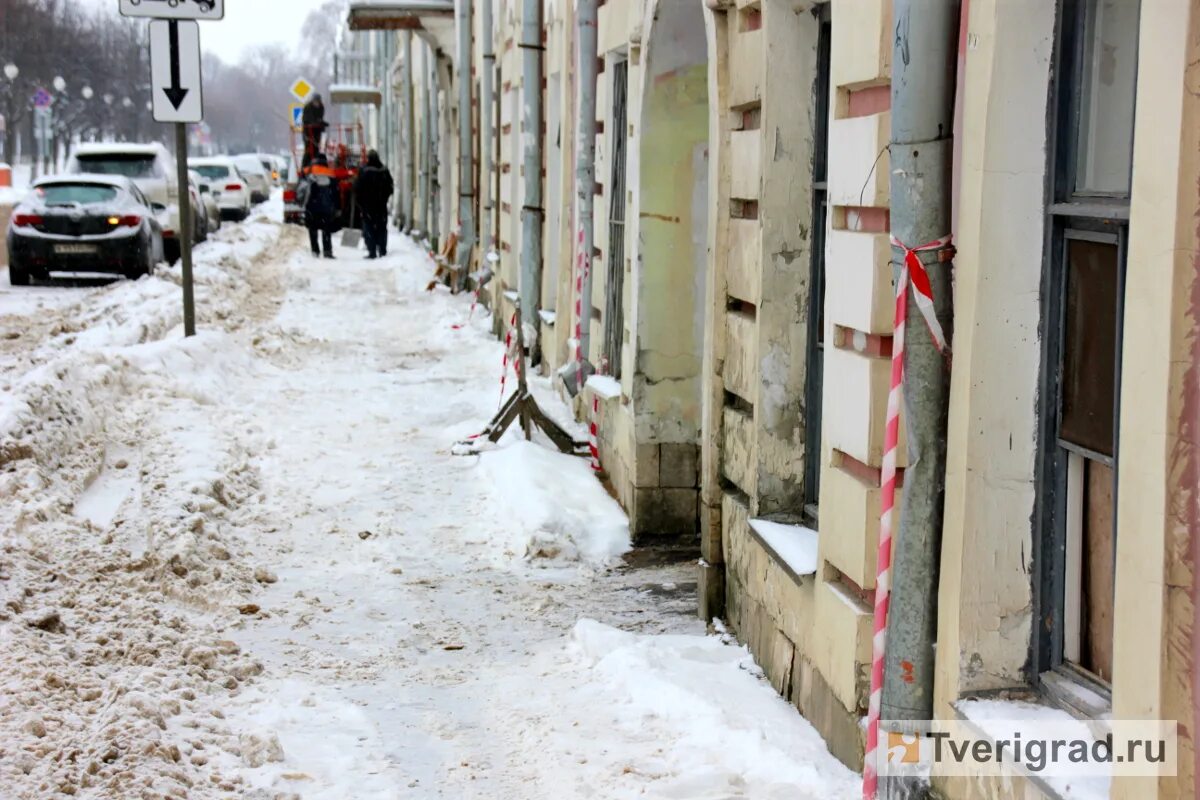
(322, 204)
(371, 191)
(312, 118)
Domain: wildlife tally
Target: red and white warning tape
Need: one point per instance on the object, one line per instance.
(508, 355)
(913, 272)
(458, 326)
(593, 438)
(581, 267)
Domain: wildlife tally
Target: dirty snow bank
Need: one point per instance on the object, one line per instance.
(558, 508)
(710, 724)
(120, 485)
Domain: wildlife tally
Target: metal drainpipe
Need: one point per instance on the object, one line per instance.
(426, 151)
(406, 132)
(486, 106)
(466, 144)
(585, 169)
(924, 62)
(435, 142)
(530, 283)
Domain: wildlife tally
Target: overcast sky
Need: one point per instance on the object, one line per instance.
(247, 23)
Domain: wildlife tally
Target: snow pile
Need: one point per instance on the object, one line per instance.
(558, 508)
(120, 486)
(710, 725)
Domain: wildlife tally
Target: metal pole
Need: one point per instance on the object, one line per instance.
(486, 107)
(427, 146)
(585, 179)
(185, 228)
(923, 84)
(531, 136)
(466, 143)
(406, 149)
(435, 156)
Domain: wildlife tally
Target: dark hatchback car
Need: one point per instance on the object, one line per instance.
(83, 223)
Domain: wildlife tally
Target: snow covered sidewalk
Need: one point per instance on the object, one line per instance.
(246, 564)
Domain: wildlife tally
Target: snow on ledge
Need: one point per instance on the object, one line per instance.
(608, 387)
(548, 317)
(795, 545)
(994, 718)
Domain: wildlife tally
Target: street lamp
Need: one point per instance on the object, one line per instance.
(11, 71)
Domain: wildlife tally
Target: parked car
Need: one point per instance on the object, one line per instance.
(199, 214)
(212, 211)
(150, 166)
(258, 178)
(271, 165)
(228, 187)
(84, 223)
(293, 214)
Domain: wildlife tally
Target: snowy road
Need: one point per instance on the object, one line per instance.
(246, 564)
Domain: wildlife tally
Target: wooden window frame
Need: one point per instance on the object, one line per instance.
(1100, 217)
(815, 342)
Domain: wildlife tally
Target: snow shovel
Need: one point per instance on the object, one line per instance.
(351, 236)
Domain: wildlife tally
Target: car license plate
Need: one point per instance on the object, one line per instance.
(75, 249)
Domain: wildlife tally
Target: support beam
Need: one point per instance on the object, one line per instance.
(487, 106)
(466, 142)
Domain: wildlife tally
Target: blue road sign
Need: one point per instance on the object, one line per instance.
(297, 115)
(42, 99)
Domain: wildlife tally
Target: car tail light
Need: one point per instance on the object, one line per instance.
(28, 221)
(168, 234)
(233, 187)
(126, 221)
(289, 195)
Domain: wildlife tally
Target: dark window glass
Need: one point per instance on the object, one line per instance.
(1090, 346)
(131, 166)
(70, 193)
(213, 171)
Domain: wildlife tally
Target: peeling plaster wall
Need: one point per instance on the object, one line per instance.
(668, 222)
(985, 627)
(1158, 506)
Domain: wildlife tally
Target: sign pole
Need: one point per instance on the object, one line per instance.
(185, 228)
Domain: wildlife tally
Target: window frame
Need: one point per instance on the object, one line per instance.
(814, 346)
(1069, 214)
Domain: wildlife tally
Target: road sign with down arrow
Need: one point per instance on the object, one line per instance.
(175, 71)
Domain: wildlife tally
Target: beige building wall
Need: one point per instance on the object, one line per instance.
(747, 332)
(985, 597)
(809, 627)
(649, 431)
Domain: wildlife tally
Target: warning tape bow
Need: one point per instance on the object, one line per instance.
(913, 272)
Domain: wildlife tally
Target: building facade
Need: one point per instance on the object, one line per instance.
(741, 315)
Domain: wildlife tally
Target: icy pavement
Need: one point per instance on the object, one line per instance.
(246, 564)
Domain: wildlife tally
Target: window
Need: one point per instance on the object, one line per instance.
(213, 171)
(130, 165)
(816, 305)
(1083, 292)
(614, 323)
(59, 194)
